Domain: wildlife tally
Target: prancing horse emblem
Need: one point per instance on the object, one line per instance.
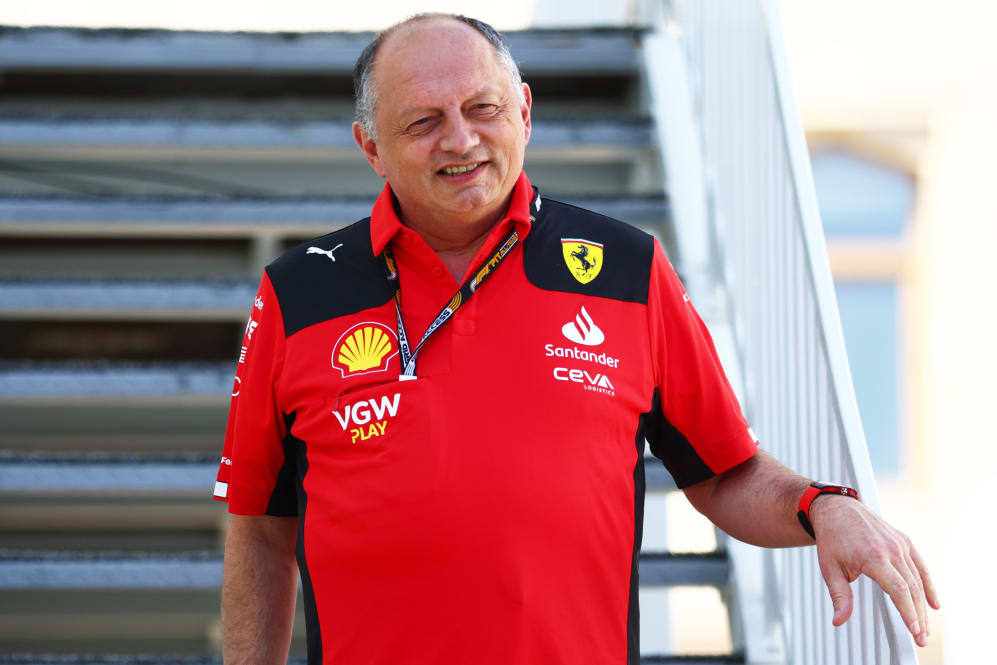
(583, 258)
(327, 252)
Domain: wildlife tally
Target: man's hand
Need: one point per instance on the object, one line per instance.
(852, 540)
(756, 502)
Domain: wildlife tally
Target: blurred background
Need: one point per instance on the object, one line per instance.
(140, 199)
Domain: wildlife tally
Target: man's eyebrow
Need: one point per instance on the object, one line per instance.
(416, 110)
(419, 110)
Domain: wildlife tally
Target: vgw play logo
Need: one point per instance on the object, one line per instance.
(361, 415)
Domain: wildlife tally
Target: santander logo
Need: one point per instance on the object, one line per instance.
(583, 330)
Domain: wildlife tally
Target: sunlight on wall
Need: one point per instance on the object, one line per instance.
(287, 15)
(896, 68)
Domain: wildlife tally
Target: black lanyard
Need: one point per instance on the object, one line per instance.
(463, 294)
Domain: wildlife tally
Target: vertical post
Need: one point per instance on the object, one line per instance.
(264, 248)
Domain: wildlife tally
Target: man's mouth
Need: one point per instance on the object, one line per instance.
(458, 170)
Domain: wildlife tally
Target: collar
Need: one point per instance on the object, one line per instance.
(384, 222)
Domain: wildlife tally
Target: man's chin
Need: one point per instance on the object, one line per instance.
(472, 199)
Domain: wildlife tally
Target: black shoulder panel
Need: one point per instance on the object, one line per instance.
(313, 287)
(626, 255)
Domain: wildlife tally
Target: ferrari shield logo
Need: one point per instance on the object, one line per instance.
(583, 258)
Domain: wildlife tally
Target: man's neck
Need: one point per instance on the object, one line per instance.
(455, 241)
(456, 252)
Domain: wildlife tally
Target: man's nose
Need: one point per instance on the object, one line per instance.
(459, 135)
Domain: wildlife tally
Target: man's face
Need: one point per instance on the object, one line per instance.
(451, 128)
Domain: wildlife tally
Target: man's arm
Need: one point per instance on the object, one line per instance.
(756, 502)
(259, 586)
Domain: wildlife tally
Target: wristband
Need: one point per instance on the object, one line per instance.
(815, 490)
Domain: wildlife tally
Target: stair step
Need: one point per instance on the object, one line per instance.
(719, 659)
(39, 474)
(605, 50)
(677, 569)
(134, 299)
(104, 473)
(77, 570)
(148, 139)
(656, 476)
(135, 216)
(203, 570)
(89, 659)
(116, 380)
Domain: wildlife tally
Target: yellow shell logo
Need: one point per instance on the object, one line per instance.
(366, 347)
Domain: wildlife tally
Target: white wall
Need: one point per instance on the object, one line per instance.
(892, 68)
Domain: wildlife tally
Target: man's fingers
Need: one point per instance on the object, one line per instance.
(841, 594)
(894, 584)
(929, 585)
(909, 572)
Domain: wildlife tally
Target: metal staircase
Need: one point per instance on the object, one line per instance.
(146, 177)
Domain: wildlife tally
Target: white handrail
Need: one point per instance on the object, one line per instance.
(771, 259)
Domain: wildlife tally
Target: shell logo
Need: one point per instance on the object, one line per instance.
(366, 347)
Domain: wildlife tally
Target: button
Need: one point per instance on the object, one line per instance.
(438, 271)
(406, 238)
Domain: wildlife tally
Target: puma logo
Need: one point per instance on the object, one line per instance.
(327, 252)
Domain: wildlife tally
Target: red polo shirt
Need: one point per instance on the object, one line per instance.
(490, 510)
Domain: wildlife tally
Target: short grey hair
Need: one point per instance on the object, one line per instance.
(365, 92)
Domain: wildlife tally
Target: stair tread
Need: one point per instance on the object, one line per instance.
(140, 472)
(94, 296)
(253, 211)
(142, 659)
(203, 570)
(95, 472)
(539, 50)
(321, 135)
(44, 380)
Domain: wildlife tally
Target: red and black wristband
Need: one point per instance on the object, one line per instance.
(815, 490)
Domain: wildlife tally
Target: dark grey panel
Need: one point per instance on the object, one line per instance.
(98, 297)
(115, 380)
(316, 136)
(104, 474)
(249, 213)
(59, 570)
(586, 50)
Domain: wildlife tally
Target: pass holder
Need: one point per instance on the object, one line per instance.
(463, 294)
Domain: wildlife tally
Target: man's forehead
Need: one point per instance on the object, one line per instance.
(430, 29)
(444, 62)
(432, 41)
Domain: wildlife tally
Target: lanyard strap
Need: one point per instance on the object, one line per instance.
(462, 295)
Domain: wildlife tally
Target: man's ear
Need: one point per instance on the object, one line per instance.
(525, 108)
(369, 147)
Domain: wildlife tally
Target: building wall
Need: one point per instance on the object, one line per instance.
(911, 85)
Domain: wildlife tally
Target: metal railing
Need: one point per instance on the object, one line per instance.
(768, 255)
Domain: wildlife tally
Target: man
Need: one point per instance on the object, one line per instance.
(475, 493)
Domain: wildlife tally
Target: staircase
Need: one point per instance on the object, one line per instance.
(145, 180)
(146, 177)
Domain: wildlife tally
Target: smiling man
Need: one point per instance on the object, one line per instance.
(445, 423)
(450, 137)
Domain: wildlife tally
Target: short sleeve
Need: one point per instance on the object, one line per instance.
(256, 475)
(695, 426)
